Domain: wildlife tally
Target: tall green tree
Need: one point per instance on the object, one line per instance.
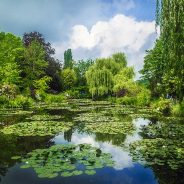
(53, 68)
(100, 76)
(68, 59)
(153, 69)
(69, 78)
(170, 17)
(11, 54)
(80, 69)
(123, 82)
(34, 65)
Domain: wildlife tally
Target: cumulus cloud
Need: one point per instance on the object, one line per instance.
(119, 34)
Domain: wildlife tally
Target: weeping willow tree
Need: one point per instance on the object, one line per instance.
(100, 76)
(170, 18)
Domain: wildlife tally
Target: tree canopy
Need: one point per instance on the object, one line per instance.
(170, 15)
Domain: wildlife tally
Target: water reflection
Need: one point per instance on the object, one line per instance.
(12, 145)
(125, 171)
(107, 143)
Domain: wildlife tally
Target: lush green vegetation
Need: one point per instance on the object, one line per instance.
(66, 159)
(99, 98)
(29, 73)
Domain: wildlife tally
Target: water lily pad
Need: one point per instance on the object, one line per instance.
(16, 157)
(66, 159)
(90, 172)
(40, 128)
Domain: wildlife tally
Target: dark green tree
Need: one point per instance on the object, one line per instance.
(80, 68)
(53, 68)
(34, 65)
(170, 17)
(11, 53)
(68, 59)
(153, 69)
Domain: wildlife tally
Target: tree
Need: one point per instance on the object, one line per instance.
(28, 38)
(69, 78)
(68, 59)
(100, 76)
(170, 16)
(80, 69)
(53, 68)
(153, 69)
(123, 82)
(33, 65)
(11, 53)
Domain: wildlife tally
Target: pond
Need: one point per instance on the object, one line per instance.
(81, 141)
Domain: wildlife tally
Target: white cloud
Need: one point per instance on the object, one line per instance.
(119, 34)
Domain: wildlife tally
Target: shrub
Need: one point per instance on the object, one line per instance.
(162, 105)
(178, 109)
(143, 97)
(72, 94)
(126, 100)
(50, 98)
(21, 102)
(3, 100)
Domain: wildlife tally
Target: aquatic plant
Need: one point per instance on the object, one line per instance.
(40, 128)
(162, 145)
(110, 127)
(69, 160)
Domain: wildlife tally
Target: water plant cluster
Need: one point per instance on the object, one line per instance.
(162, 145)
(37, 128)
(66, 160)
(98, 122)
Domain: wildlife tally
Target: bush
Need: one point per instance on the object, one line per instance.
(72, 94)
(162, 105)
(3, 100)
(50, 98)
(143, 97)
(21, 102)
(178, 109)
(126, 100)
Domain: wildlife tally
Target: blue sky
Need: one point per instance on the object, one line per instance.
(92, 28)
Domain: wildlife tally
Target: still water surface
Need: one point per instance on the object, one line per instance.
(124, 171)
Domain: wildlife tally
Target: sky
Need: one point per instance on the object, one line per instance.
(91, 28)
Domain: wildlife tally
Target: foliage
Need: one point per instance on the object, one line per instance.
(53, 68)
(102, 123)
(41, 87)
(123, 82)
(65, 159)
(143, 96)
(10, 91)
(100, 75)
(170, 18)
(153, 69)
(34, 67)
(34, 63)
(68, 59)
(126, 100)
(162, 145)
(110, 127)
(40, 128)
(80, 69)
(50, 98)
(178, 109)
(69, 78)
(162, 105)
(21, 102)
(11, 52)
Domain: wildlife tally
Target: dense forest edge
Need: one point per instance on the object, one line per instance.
(30, 74)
